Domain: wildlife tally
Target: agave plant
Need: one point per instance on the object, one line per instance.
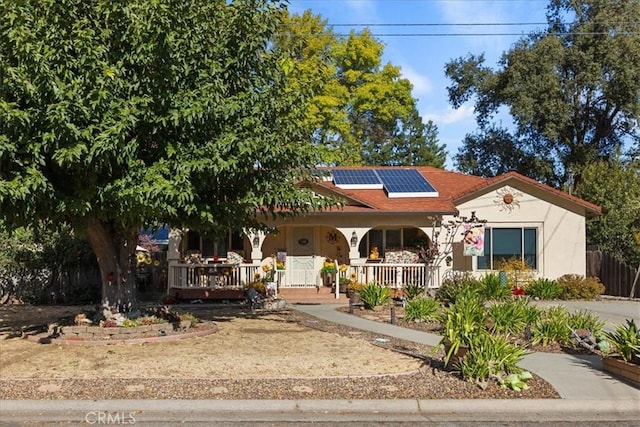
(626, 339)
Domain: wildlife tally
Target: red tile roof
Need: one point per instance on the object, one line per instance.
(451, 187)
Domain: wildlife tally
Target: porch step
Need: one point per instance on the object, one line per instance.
(321, 295)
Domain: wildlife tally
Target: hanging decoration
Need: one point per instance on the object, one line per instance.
(507, 199)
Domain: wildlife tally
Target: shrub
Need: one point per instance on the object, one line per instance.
(462, 322)
(584, 319)
(490, 356)
(518, 271)
(373, 294)
(509, 317)
(492, 288)
(575, 286)
(551, 327)
(626, 340)
(258, 285)
(412, 291)
(448, 292)
(544, 289)
(422, 309)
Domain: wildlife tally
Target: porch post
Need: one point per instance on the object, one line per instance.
(256, 239)
(173, 255)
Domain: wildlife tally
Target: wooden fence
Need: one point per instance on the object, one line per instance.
(616, 276)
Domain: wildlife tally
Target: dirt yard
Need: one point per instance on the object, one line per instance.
(268, 345)
(259, 355)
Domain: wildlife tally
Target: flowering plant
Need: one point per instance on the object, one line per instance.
(328, 266)
(268, 272)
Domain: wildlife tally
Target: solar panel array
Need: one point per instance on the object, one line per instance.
(396, 182)
(356, 179)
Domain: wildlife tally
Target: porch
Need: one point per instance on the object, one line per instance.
(222, 281)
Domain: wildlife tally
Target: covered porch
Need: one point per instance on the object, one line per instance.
(298, 254)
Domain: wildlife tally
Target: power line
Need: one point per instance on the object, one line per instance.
(595, 33)
(440, 24)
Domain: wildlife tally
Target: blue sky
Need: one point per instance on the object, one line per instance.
(422, 57)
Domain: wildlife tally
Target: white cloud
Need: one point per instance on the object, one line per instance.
(361, 5)
(421, 83)
(450, 115)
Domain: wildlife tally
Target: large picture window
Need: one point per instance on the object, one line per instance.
(391, 238)
(210, 246)
(503, 244)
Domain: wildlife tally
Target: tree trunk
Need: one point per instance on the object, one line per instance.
(114, 248)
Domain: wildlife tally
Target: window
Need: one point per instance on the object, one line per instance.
(391, 238)
(210, 246)
(503, 244)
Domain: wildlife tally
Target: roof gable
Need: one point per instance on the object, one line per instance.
(511, 177)
(451, 189)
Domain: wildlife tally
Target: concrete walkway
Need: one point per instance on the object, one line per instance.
(574, 377)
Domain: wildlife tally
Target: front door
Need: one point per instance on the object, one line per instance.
(301, 269)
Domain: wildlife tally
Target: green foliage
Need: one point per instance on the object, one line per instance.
(571, 90)
(516, 382)
(575, 286)
(626, 340)
(584, 319)
(492, 288)
(412, 291)
(615, 186)
(517, 270)
(362, 111)
(373, 294)
(510, 317)
(551, 327)
(462, 322)
(544, 289)
(448, 292)
(119, 114)
(40, 267)
(491, 356)
(493, 151)
(422, 309)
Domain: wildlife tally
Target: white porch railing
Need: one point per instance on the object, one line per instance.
(214, 276)
(236, 276)
(395, 275)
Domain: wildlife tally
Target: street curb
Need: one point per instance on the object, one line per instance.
(559, 409)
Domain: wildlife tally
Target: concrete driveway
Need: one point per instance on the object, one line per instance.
(612, 311)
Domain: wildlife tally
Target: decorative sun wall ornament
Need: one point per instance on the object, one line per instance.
(507, 199)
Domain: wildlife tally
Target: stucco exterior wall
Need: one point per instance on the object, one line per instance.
(561, 227)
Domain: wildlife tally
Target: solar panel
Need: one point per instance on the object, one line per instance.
(356, 179)
(405, 183)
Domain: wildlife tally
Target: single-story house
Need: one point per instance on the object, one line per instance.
(397, 225)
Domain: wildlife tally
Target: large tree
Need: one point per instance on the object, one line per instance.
(615, 185)
(572, 90)
(362, 111)
(115, 114)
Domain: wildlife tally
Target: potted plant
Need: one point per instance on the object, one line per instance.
(624, 361)
(328, 267)
(353, 292)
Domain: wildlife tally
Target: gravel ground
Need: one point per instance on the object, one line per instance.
(430, 382)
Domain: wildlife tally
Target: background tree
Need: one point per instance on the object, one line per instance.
(362, 111)
(614, 185)
(494, 151)
(119, 114)
(572, 90)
